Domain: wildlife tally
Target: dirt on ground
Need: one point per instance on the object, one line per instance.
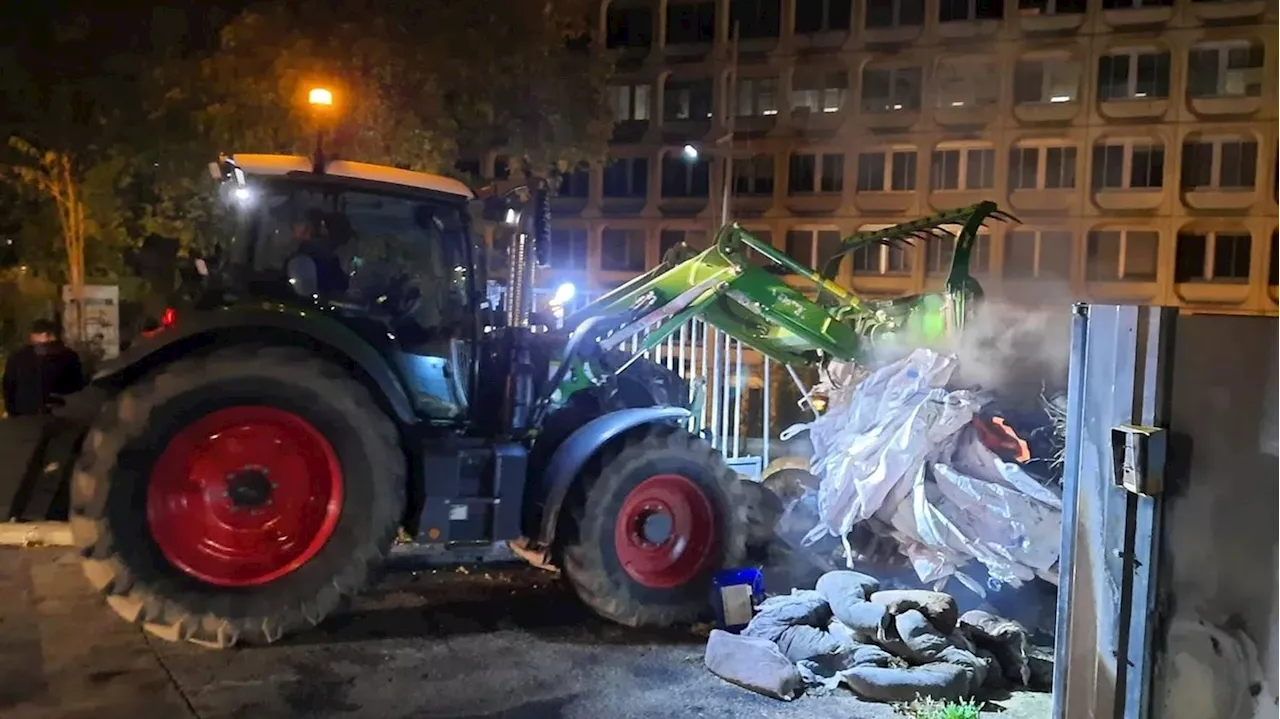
(505, 642)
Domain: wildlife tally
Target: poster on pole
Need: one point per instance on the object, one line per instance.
(101, 319)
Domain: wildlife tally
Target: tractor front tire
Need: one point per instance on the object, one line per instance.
(650, 525)
(237, 496)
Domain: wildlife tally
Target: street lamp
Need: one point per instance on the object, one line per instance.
(320, 99)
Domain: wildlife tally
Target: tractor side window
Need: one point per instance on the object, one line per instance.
(407, 255)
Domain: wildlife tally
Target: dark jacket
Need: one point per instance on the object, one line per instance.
(32, 376)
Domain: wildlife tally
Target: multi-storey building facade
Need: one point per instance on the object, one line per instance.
(1135, 139)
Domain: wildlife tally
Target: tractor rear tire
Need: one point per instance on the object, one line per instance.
(652, 523)
(237, 496)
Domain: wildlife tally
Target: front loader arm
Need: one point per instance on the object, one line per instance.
(727, 287)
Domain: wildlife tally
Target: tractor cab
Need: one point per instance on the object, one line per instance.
(388, 252)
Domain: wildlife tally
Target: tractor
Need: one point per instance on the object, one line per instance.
(341, 377)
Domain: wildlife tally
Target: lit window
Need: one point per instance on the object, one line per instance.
(1046, 80)
(966, 82)
(1225, 69)
(891, 89)
(819, 92)
(757, 96)
(629, 102)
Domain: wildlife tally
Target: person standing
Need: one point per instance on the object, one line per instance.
(42, 369)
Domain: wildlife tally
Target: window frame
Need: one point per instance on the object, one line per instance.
(882, 260)
(630, 162)
(889, 170)
(1217, 145)
(754, 91)
(1046, 97)
(822, 183)
(1222, 67)
(688, 86)
(630, 95)
(1130, 147)
(691, 169)
(631, 232)
(825, 26)
(815, 99)
(1042, 150)
(896, 13)
(1134, 57)
(892, 103)
(964, 157)
(1208, 271)
(1122, 259)
(1038, 254)
(753, 180)
(578, 236)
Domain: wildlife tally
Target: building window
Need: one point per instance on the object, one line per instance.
(814, 16)
(878, 259)
(691, 22)
(971, 168)
(685, 178)
(629, 26)
(1038, 167)
(627, 177)
(757, 96)
(1128, 165)
(629, 102)
(1031, 8)
(819, 93)
(574, 183)
(1122, 256)
(968, 10)
(939, 250)
(1037, 254)
(1133, 75)
(568, 249)
(1225, 69)
(756, 18)
(622, 250)
(687, 100)
(753, 176)
(891, 89)
(966, 82)
(894, 13)
(813, 248)
(695, 239)
(898, 167)
(1213, 257)
(808, 173)
(1134, 4)
(1221, 164)
(1049, 80)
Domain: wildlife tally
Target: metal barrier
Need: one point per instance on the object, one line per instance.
(742, 399)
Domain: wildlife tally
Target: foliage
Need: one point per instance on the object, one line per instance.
(925, 708)
(137, 102)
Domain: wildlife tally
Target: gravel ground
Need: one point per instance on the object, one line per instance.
(476, 643)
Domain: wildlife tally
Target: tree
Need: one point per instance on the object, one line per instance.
(414, 87)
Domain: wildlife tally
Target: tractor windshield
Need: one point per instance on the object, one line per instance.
(407, 254)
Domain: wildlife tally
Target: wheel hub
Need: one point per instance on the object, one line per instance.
(666, 532)
(249, 488)
(244, 495)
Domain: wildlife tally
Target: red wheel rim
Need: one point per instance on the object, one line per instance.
(244, 496)
(666, 532)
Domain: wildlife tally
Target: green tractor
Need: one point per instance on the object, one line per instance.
(341, 377)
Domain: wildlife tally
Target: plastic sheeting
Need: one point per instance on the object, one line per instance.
(898, 446)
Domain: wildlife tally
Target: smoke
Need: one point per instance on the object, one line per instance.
(1014, 350)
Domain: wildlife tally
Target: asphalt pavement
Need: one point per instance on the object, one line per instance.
(473, 643)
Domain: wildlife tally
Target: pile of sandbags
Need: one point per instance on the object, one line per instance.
(889, 646)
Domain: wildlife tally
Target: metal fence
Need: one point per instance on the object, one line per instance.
(743, 400)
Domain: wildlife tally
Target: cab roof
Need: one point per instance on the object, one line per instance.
(259, 164)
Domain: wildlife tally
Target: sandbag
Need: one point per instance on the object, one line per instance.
(803, 642)
(938, 680)
(752, 663)
(774, 615)
(1004, 638)
(978, 668)
(868, 621)
(939, 608)
(923, 642)
(845, 589)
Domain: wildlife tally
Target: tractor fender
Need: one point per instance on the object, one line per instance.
(573, 453)
(202, 329)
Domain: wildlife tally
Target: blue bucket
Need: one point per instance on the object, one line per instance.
(735, 594)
